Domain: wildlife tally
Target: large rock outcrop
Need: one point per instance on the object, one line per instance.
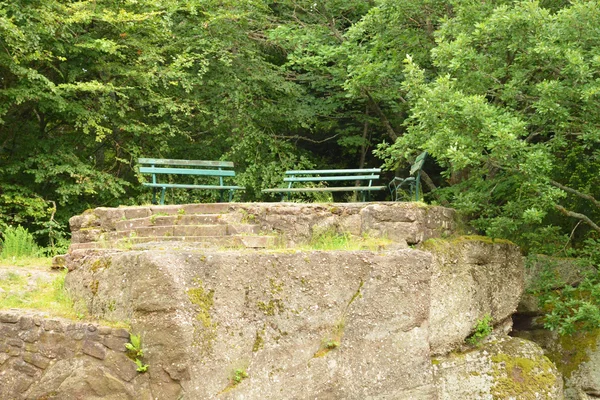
(472, 276)
(228, 307)
(269, 321)
(349, 325)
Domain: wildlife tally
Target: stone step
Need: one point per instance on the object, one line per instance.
(247, 241)
(242, 240)
(161, 232)
(199, 208)
(241, 229)
(257, 241)
(204, 241)
(165, 220)
(85, 246)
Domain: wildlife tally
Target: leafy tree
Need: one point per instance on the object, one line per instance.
(87, 87)
(509, 118)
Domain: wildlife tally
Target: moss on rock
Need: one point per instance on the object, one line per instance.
(520, 377)
(203, 300)
(503, 368)
(573, 350)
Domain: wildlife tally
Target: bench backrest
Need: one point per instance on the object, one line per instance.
(156, 166)
(418, 164)
(368, 174)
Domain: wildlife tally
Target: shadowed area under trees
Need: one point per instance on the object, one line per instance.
(503, 95)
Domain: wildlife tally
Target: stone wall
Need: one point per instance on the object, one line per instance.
(256, 225)
(47, 358)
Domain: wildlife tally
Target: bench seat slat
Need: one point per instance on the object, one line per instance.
(334, 171)
(185, 186)
(185, 171)
(331, 178)
(191, 163)
(325, 189)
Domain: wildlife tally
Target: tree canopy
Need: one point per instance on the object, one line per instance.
(504, 95)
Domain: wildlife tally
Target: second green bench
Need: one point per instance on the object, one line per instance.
(161, 168)
(356, 176)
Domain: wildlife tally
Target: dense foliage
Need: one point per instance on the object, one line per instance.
(504, 95)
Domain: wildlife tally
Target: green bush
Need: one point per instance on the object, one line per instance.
(17, 243)
(483, 329)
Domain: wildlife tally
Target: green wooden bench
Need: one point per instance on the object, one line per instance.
(161, 168)
(413, 181)
(366, 176)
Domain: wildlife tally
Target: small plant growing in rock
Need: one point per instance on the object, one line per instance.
(239, 375)
(331, 344)
(482, 330)
(235, 378)
(134, 348)
(141, 367)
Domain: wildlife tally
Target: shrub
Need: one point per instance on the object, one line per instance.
(18, 243)
(482, 330)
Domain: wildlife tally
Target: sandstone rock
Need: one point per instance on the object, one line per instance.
(471, 277)
(8, 317)
(122, 366)
(502, 368)
(576, 356)
(50, 382)
(197, 315)
(94, 349)
(36, 359)
(24, 367)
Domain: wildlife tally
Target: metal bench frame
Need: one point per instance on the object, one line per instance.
(413, 182)
(329, 175)
(157, 167)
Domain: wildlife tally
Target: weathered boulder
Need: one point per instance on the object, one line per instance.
(350, 325)
(576, 356)
(501, 368)
(471, 276)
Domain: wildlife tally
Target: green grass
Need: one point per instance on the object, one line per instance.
(331, 240)
(44, 295)
(27, 262)
(20, 289)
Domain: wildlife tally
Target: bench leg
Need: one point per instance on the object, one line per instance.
(154, 196)
(230, 195)
(162, 196)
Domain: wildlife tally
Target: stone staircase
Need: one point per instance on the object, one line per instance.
(253, 225)
(208, 227)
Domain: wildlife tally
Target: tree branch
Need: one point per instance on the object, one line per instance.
(582, 217)
(298, 137)
(427, 180)
(388, 127)
(576, 193)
